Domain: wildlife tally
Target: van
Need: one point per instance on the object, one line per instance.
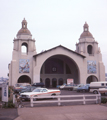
(94, 86)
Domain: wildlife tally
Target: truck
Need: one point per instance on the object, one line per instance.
(94, 86)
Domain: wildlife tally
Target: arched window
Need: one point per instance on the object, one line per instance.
(24, 48)
(89, 49)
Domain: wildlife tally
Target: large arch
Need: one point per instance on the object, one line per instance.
(91, 78)
(24, 79)
(59, 66)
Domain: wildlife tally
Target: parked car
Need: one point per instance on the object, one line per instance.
(67, 87)
(28, 89)
(58, 86)
(22, 84)
(103, 90)
(39, 92)
(84, 88)
(38, 84)
(95, 86)
(75, 87)
(18, 89)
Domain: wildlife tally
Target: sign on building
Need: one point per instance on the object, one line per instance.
(70, 81)
(5, 92)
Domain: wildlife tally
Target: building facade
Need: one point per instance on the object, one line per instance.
(54, 66)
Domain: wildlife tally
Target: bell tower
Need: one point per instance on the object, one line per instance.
(20, 69)
(88, 47)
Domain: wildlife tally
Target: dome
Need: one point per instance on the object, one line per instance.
(24, 30)
(86, 33)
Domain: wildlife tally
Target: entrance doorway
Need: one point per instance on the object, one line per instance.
(24, 79)
(60, 81)
(47, 82)
(54, 82)
(92, 79)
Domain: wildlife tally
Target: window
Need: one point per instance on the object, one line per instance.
(102, 84)
(89, 49)
(24, 48)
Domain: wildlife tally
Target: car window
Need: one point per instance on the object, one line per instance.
(44, 90)
(36, 90)
(102, 84)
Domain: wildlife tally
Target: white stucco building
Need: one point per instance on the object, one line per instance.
(56, 65)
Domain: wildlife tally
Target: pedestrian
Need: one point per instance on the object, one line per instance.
(19, 101)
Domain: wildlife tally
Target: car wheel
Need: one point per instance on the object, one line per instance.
(53, 94)
(34, 99)
(95, 92)
(83, 90)
(103, 94)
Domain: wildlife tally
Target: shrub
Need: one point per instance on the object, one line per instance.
(103, 100)
(9, 105)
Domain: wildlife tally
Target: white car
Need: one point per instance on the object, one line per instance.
(76, 87)
(39, 92)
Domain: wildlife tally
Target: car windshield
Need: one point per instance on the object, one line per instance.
(37, 90)
(23, 87)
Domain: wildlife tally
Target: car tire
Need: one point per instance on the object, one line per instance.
(53, 94)
(95, 92)
(84, 90)
(34, 99)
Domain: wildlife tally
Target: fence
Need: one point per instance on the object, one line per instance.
(76, 98)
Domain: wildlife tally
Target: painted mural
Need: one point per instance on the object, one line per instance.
(91, 67)
(24, 66)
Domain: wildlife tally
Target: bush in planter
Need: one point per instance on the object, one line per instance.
(9, 104)
(103, 100)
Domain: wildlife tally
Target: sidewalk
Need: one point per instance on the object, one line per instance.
(8, 113)
(75, 112)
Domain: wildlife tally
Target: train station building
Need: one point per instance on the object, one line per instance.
(54, 66)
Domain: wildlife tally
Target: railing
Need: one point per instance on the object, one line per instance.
(76, 98)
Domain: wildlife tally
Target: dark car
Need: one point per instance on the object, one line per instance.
(67, 87)
(38, 84)
(28, 89)
(18, 89)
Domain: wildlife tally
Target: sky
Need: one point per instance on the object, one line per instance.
(51, 23)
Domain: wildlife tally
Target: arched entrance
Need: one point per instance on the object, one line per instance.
(59, 66)
(92, 78)
(54, 82)
(47, 83)
(24, 79)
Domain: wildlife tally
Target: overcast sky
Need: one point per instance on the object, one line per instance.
(51, 23)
